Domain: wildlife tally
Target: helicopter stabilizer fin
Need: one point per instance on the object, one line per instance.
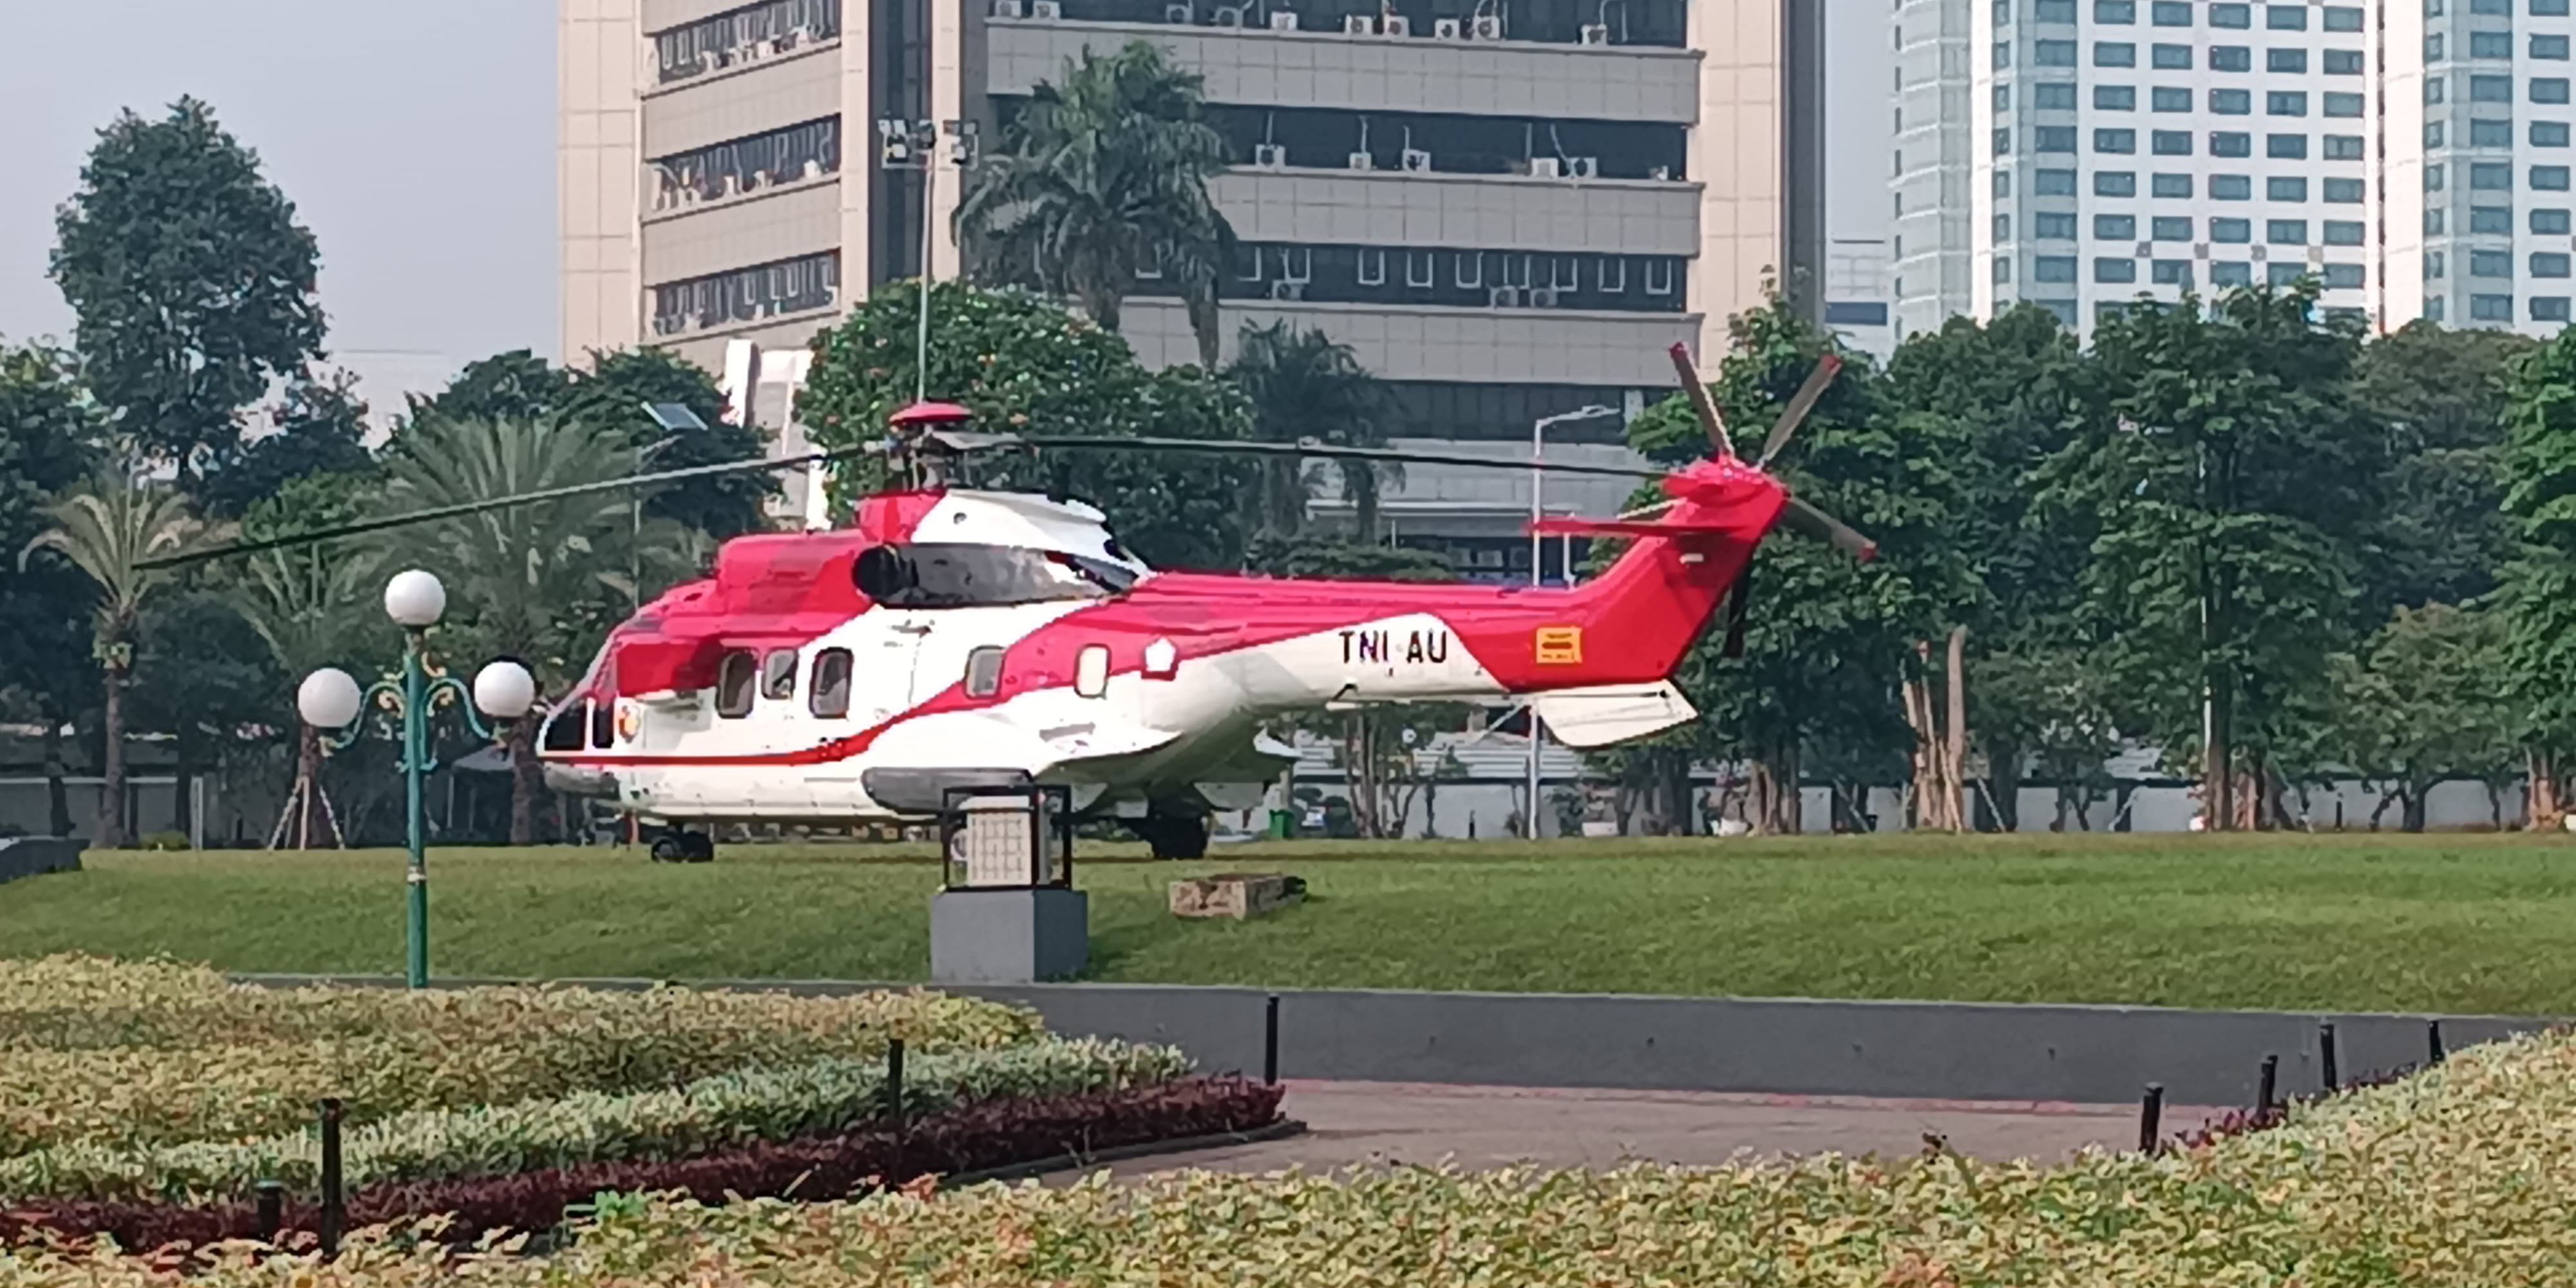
(1600, 715)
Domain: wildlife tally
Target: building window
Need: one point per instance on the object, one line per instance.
(2345, 192)
(2117, 142)
(2341, 147)
(2342, 104)
(2433, 88)
(2491, 219)
(2549, 89)
(2052, 225)
(2229, 231)
(2232, 102)
(2231, 187)
(2286, 147)
(2115, 98)
(2170, 272)
(2238, 17)
(2342, 18)
(1372, 266)
(2109, 269)
(1422, 271)
(2003, 271)
(2002, 96)
(2285, 17)
(2433, 266)
(2490, 44)
(2114, 53)
(2482, 89)
(748, 164)
(2055, 11)
(2492, 8)
(2052, 183)
(747, 294)
(2115, 183)
(2285, 60)
(2231, 143)
(2491, 263)
(2285, 102)
(2490, 134)
(2548, 8)
(1659, 276)
(2550, 220)
(2001, 185)
(2549, 308)
(2053, 138)
(2491, 308)
(2170, 13)
(2342, 62)
(2230, 58)
(2053, 268)
(2170, 228)
(2432, 134)
(2115, 227)
(1469, 272)
(2434, 307)
(2172, 143)
(2549, 178)
(2280, 275)
(2170, 98)
(2053, 96)
(2490, 176)
(2433, 177)
(2003, 55)
(2549, 48)
(2433, 48)
(2549, 263)
(2343, 277)
(2286, 232)
(2003, 147)
(2231, 274)
(2118, 13)
(2043, 53)
(2003, 228)
(2343, 232)
(2285, 187)
(2170, 57)
(2549, 134)
(1610, 275)
(2173, 186)
(776, 27)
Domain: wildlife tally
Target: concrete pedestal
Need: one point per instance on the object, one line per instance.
(1008, 936)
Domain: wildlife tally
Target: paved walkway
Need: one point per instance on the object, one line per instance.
(1481, 1127)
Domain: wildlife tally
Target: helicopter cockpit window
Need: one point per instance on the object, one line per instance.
(959, 576)
(603, 726)
(564, 727)
(830, 695)
(733, 685)
(778, 675)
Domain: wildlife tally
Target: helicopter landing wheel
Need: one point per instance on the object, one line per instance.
(671, 847)
(698, 847)
(1173, 836)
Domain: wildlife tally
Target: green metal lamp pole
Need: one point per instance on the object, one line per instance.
(415, 736)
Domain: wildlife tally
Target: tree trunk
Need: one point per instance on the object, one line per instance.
(527, 780)
(58, 793)
(2541, 808)
(1775, 805)
(2217, 779)
(308, 785)
(2411, 817)
(1954, 752)
(111, 795)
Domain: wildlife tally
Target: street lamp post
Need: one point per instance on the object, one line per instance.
(1538, 475)
(330, 699)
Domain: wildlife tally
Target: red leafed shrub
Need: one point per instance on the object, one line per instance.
(977, 1138)
(2239, 1122)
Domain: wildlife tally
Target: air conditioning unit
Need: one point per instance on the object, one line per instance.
(1546, 168)
(1447, 29)
(1661, 174)
(1179, 13)
(1283, 20)
(1505, 297)
(1395, 25)
(1007, 9)
(1227, 16)
(1542, 297)
(1486, 26)
(1358, 24)
(1583, 167)
(1270, 156)
(1417, 161)
(1046, 10)
(1287, 290)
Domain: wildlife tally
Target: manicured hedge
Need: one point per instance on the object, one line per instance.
(974, 1138)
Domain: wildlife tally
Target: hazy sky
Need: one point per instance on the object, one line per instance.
(417, 141)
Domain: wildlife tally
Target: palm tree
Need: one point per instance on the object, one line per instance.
(1101, 181)
(1303, 385)
(107, 527)
(309, 607)
(539, 583)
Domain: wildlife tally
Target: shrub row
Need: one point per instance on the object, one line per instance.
(95, 1051)
(710, 1114)
(974, 1138)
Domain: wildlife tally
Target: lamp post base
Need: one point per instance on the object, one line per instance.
(1008, 936)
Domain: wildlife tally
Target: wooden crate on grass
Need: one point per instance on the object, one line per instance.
(1240, 895)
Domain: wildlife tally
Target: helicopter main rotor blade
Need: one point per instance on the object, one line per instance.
(1807, 520)
(1799, 406)
(1310, 448)
(435, 513)
(1701, 404)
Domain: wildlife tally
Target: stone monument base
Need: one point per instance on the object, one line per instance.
(1008, 936)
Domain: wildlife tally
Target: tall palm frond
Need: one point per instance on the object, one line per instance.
(107, 527)
(1303, 385)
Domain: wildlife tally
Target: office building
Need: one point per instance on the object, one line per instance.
(1507, 208)
(1930, 165)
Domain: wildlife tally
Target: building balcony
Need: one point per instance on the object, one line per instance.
(1434, 342)
(1500, 212)
(1374, 73)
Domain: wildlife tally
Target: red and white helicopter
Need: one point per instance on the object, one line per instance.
(954, 638)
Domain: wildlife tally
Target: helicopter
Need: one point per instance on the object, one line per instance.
(953, 638)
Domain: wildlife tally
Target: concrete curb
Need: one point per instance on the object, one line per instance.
(2096, 1055)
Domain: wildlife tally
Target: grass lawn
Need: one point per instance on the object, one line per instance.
(2362, 922)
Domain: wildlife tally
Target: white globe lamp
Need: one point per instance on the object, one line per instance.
(415, 599)
(328, 699)
(504, 690)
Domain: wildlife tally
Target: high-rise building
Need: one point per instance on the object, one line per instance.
(1931, 165)
(1507, 208)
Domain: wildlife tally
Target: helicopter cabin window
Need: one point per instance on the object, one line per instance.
(733, 684)
(603, 726)
(963, 576)
(1091, 671)
(778, 675)
(984, 672)
(564, 728)
(830, 695)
